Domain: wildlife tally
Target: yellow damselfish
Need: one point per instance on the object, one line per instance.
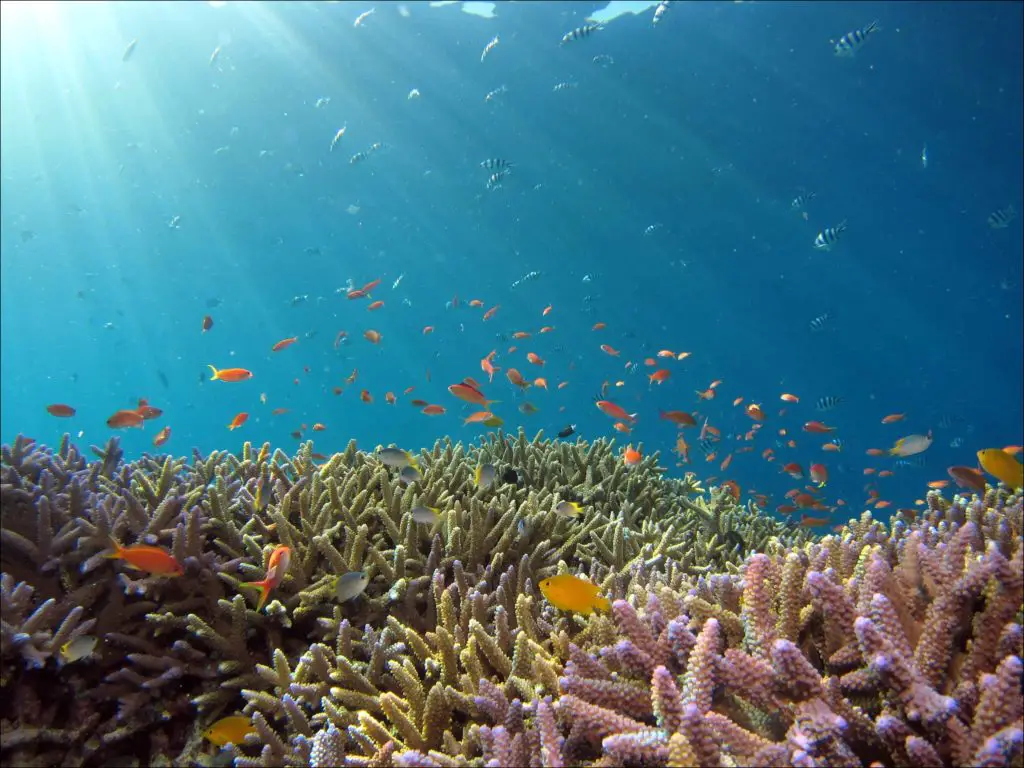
(570, 593)
(231, 729)
(999, 463)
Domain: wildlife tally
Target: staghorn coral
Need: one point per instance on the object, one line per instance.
(891, 642)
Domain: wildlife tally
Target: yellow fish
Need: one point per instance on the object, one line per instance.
(231, 729)
(999, 463)
(570, 593)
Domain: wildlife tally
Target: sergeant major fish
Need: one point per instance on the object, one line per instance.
(847, 45)
(579, 33)
(829, 236)
(488, 48)
(1001, 218)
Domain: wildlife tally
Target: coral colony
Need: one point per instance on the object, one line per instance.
(388, 638)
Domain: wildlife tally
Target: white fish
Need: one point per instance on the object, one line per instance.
(493, 95)
(485, 475)
(413, 94)
(564, 86)
(363, 17)
(79, 648)
(924, 156)
(660, 11)
(214, 56)
(409, 475)
(396, 457)
(323, 101)
(425, 515)
(911, 445)
(568, 509)
(397, 281)
(175, 223)
(351, 585)
(489, 47)
(337, 136)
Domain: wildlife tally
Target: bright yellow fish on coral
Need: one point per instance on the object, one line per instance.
(571, 593)
(999, 463)
(231, 729)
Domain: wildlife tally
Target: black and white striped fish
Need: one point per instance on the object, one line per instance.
(494, 182)
(829, 236)
(579, 33)
(1001, 219)
(563, 86)
(801, 200)
(851, 42)
(492, 95)
(496, 164)
(827, 403)
(660, 11)
(819, 323)
(918, 462)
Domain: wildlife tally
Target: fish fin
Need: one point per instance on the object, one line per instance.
(264, 590)
(118, 549)
(214, 371)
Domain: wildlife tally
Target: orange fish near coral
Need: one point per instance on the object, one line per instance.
(571, 593)
(630, 456)
(230, 374)
(277, 566)
(162, 437)
(155, 560)
(125, 419)
(238, 421)
(609, 408)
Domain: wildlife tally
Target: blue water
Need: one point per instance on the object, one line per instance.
(709, 125)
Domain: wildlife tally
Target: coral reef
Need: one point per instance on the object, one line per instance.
(733, 639)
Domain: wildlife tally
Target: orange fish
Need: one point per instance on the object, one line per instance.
(733, 488)
(478, 417)
(355, 293)
(666, 353)
(819, 474)
(725, 463)
(563, 384)
(630, 456)
(885, 473)
(817, 427)
(598, 327)
(682, 418)
(875, 452)
(490, 312)
(831, 447)
(60, 410)
(143, 557)
(754, 411)
(365, 396)
(161, 437)
(609, 350)
(389, 398)
(521, 335)
(789, 398)
(882, 504)
(277, 567)
(207, 323)
(427, 329)
(893, 417)
(609, 408)
(372, 336)
(737, 401)
(540, 382)
(125, 419)
(417, 403)
(869, 470)
(284, 343)
(370, 286)
(683, 355)
(547, 329)
(488, 367)
(968, 477)
(534, 358)
(318, 427)
(938, 484)
(470, 394)
(813, 522)
(433, 410)
(515, 377)
(475, 303)
(147, 411)
(407, 390)
(707, 394)
(618, 426)
(650, 362)
(658, 376)
(352, 376)
(238, 421)
(230, 374)
(375, 305)
(279, 411)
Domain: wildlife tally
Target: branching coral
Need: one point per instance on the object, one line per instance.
(731, 640)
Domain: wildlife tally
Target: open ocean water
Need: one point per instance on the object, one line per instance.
(165, 162)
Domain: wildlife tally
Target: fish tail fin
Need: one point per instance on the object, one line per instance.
(118, 549)
(264, 589)
(214, 371)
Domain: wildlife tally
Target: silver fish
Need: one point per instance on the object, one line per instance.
(485, 475)
(829, 236)
(568, 509)
(911, 445)
(79, 648)
(425, 515)
(396, 457)
(351, 585)
(409, 475)
(851, 42)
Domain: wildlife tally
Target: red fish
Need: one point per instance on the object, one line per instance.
(162, 437)
(230, 374)
(682, 418)
(125, 419)
(817, 427)
(238, 421)
(60, 410)
(207, 323)
(155, 560)
(283, 343)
